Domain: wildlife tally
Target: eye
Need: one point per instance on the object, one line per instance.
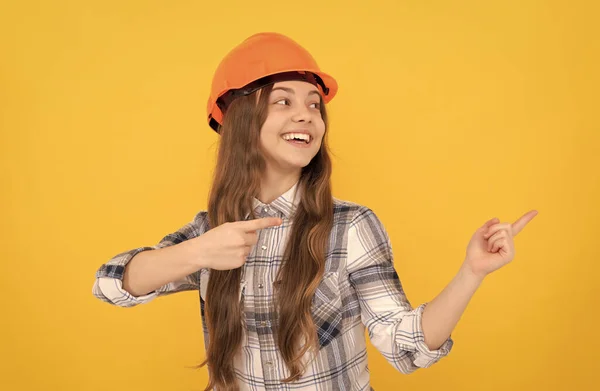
(285, 101)
(316, 105)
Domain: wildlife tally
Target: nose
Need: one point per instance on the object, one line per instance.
(301, 114)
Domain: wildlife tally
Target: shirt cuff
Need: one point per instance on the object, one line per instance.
(111, 290)
(423, 357)
(108, 286)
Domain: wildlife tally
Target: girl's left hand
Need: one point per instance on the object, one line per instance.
(492, 247)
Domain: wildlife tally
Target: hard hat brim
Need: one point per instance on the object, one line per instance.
(327, 85)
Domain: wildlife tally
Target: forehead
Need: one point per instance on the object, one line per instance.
(297, 86)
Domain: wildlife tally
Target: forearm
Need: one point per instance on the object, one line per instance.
(149, 270)
(443, 313)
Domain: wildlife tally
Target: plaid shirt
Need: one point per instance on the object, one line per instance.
(360, 288)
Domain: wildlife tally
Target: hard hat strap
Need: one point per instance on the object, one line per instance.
(225, 100)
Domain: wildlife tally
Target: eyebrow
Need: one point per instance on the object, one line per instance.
(291, 91)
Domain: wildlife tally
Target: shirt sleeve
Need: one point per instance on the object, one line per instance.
(108, 285)
(394, 326)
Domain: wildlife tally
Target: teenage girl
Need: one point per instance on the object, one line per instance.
(288, 275)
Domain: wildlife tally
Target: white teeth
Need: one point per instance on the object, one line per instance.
(301, 136)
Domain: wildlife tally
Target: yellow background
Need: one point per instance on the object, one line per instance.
(448, 114)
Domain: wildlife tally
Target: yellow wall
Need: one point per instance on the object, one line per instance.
(449, 113)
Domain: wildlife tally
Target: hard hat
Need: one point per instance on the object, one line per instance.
(263, 59)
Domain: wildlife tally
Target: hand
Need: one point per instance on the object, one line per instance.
(492, 247)
(227, 246)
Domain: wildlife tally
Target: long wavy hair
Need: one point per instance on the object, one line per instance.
(237, 177)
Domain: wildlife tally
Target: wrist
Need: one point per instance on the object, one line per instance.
(467, 275)
(197, 248)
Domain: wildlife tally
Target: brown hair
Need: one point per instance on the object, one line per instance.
(238, 170)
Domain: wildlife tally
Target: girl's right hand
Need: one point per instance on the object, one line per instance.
(227, 246)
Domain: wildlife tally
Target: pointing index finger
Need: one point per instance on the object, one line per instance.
(518, 225)
(256, 224)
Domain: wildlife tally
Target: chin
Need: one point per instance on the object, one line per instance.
(291, 162)
(297, 165)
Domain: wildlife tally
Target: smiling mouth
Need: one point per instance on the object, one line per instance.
(297, 138)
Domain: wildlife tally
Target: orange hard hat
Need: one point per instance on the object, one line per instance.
(263, 59)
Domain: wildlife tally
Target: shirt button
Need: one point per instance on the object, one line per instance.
(266, 209)
(269, 363)
(263, 323)
(263, 247)
(260, 286)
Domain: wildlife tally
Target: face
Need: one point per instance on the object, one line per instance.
(292, 133)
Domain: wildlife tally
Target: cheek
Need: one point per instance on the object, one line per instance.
(320, 126)
(273, 124)
(268, 129)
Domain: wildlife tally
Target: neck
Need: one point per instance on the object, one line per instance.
(274, 184)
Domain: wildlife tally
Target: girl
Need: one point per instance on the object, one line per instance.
(288, 275)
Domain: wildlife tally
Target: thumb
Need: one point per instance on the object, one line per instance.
(489, 223)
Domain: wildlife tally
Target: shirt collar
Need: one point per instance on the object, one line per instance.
(284, 205)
